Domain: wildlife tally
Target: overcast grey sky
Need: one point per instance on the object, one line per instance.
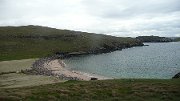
(115, 17)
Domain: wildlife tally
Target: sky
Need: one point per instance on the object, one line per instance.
(125, 18)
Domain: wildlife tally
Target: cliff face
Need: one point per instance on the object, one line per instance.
(37, 41)
(154, 39)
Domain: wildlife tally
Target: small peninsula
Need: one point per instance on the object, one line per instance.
(154, 39)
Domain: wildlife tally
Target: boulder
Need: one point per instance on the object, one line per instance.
(93, 78)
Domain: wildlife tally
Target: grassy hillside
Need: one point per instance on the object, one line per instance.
(36, 41)
(108, 90)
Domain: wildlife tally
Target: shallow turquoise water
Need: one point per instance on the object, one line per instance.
(158, 60)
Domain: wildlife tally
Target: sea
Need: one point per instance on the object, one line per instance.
(155, 61)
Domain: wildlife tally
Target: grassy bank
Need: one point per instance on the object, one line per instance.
(13, 80)
(16, 65)
(35, 41)
(108, 90)
(10, 75)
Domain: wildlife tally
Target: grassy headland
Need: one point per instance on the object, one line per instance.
(37, 41)
(154, 39)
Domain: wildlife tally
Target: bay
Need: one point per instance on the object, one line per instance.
(157, 61)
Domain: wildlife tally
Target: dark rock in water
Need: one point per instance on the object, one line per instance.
(176, 76)
(94, 78)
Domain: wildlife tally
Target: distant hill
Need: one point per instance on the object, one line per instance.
(177, 39)
(154, 39)
(37, 41)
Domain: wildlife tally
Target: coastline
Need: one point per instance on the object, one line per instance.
(53, 66)
(58, 69)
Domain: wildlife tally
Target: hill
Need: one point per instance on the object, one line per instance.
(154, 39)
(177, 39)
(37, 41)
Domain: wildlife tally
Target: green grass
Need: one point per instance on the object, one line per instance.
(107, 90)
(14, 80)
(35, 41)
(16, 65)
(9, 78)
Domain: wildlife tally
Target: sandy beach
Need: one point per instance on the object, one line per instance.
(58, 68)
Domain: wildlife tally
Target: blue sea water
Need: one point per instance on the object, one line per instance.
(158, 61)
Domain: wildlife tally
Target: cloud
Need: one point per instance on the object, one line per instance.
(113, 17)
(126, 8)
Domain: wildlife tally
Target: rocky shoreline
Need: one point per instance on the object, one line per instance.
(54, 66)
(98, 50)
(38, 68)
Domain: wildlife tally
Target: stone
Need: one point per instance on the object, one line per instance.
(93, 78)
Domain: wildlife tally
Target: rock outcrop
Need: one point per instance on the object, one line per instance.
(176, 76)
(53, 66)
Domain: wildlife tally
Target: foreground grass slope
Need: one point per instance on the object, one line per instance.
(108, 90)
(37, 41)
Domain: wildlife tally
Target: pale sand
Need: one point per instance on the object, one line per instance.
(58, 67)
